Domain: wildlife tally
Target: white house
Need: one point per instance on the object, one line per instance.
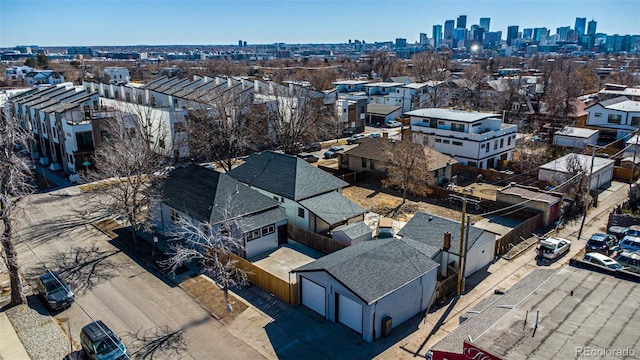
(43, 77)
(556, 171)
(349, 86)
(204, 195)
(116, 75)
(473, 138)
(615, 118)
(575, 137)
(370, 287)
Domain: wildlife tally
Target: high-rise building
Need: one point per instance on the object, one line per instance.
(563, 32)
(462, 22)
(527, 33)
(448, 33)
(437, 35)
(424, 40)
(459, 37)
(476, 33)
(401, 43)
(512, 33)
(492, 39)
(591, 28)
(240, 43)
(484, 23)
(540, 34)
(581, 24)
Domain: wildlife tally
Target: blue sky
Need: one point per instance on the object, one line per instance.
(157, 22)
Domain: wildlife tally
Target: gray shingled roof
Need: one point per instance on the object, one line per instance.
(332, 207)
(429, 229)
(204, 194)
(373, 269)
(285, 175)
(609, 102)
(355, 230)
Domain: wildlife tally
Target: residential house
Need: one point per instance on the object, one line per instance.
(116, 75)
(312, 198)
(615, 90)
(407, 96)
(547, 202)
(16, 74)
(349, 86)
(204, 195)
(352, 111)
(429, 232)
(473, 138)
(575, 137)
(558, 171)
(380, 115)
(616, 118)
(375, 154)
(371, 287)
(43, 77)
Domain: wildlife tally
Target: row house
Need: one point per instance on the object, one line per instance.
(43, 77)
(472, 138)
(615, 118)
(352, 110)
(60, 121)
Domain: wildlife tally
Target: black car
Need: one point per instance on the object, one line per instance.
(99, 342)
(54, 291)
(602, 243)
(312, 147)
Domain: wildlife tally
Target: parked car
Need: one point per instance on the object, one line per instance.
(374, 135)
(385, 228)
(101, 343)
(630, 243)
(618, 231)
(308, 157)
(332, 152)
(630, 260)
(633, 230)
(602, 243)
(54, 291)
(553, 248)
(316, 146)
(602, 260)
(353, 139)
(393, 123)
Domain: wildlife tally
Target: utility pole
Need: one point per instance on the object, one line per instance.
(584, 216)
(462, 250)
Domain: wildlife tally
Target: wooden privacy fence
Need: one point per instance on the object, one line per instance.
(447, 287)
(515, 236)
(282, 289)
(313, 240)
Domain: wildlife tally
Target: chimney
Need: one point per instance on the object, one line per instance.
(447, 241)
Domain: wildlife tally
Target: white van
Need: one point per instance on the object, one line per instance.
(602, 260)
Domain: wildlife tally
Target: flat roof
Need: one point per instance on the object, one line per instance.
(529, 193)
(453, 115)
(579, 309)
(385, 84)
(576, 132)
(350, 82)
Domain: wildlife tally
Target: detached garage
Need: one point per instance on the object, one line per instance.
(556, 171)
(370, 287)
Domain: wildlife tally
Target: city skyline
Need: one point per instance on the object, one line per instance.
(213, 22)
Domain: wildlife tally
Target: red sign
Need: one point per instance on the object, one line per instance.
(469, 352)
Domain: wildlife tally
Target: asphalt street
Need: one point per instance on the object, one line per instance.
(152, 315)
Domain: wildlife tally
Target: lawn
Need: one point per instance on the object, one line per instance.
(210, 296)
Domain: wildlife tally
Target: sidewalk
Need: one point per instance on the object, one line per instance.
(10, 346)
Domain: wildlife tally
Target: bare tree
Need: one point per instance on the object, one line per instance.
(383, 64)
(15, 185)
(221, 130)
(564, 85)
(408, 168)
(295, 114)
(432, 67)
(579, 189)
(474, 81)
(508, 90)
(211, 246)
(127, 170)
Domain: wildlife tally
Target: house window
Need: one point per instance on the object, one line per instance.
(445, 141)
(364, 163)
(301, 212)
(597, 115)
(268, 230)
(476, 124)
(175, 216)
(440, 122)
(495, 145)
(161, 143)
(457, 127)
(438, 140)
(509, 141)
(472, 164)
(252, 235)
(457, 143)
(614, 119)
(483, 146)
(635, 121)
(501, 143)
(372, 165)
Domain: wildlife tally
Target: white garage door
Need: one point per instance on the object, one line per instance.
(350, 313)
(313, 296)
